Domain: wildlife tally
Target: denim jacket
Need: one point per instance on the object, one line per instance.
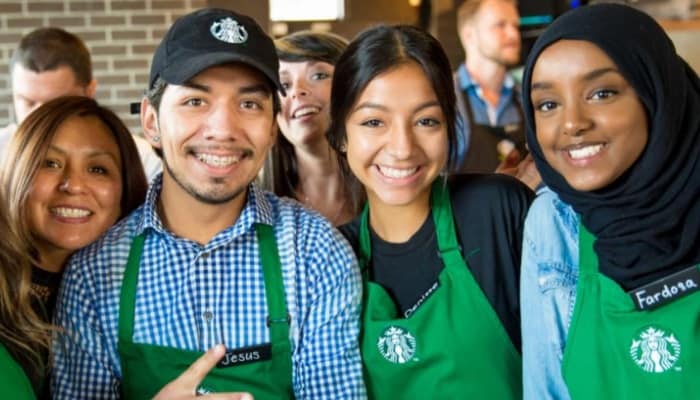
(549, 274)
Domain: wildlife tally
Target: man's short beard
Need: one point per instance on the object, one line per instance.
(199, 196)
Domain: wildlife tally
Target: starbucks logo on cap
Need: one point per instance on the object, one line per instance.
(655, 350)
(397, 345)
(228, 30)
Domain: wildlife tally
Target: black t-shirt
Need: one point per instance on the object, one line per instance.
(45, 286)
(489, 212)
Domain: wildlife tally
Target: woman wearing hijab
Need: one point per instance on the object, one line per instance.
(610, 301)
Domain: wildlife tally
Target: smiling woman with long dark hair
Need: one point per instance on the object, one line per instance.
(439, 254)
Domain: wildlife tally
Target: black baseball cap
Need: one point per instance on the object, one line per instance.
(210, 37)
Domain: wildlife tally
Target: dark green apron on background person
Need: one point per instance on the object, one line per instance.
(484, 145)
(147, 368)
(452, 347)
(14, 383)
(615, 351)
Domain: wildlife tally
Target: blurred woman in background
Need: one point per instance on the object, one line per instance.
(301, 164)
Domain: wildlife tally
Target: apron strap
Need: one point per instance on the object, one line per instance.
(463, 103)
(587, 258)
(441, 208)
(365, 242)
(278, 318)
(127, 302)
(444, 221)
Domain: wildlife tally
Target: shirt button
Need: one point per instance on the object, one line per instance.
(204, 256)
(208, 316)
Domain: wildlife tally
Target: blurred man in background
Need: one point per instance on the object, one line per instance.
(49, 63)
(488, 97)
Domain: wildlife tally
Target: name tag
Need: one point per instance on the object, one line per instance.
(422, 299)
(245, 355)
(667, 289)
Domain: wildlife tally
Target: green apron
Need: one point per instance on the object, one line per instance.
(614, 351)
(147, 368)
(14, 383)
(452, 347)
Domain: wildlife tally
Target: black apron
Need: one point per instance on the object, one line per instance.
(488, 145)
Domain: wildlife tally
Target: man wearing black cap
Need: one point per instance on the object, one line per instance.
(210, 259)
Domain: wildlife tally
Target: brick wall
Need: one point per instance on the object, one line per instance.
(121, 34)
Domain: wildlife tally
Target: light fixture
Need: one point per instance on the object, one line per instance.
(307, 10)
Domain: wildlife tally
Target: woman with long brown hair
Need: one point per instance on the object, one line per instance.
(71, 171)
(24, 336)
(301, 164)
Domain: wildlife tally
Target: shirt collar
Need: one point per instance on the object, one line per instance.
(257, 209)
(466, 82)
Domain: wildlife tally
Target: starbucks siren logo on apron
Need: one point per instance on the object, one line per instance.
(654, 350)
(397, 345)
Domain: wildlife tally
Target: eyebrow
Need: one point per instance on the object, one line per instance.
(90, 154)
(307, 61)
(587, 77)
(377, 106)
(197, 86)
(312, 64)
(254, 88)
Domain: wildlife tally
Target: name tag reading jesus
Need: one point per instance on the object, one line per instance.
(245, 355)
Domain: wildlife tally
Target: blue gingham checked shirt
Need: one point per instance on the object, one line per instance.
(192, 297)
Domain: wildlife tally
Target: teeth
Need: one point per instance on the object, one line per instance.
(217, 161)
(584, 152)
(70, 212)
(305, 111)
(396, 172)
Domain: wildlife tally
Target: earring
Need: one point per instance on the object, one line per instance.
(156, 138)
